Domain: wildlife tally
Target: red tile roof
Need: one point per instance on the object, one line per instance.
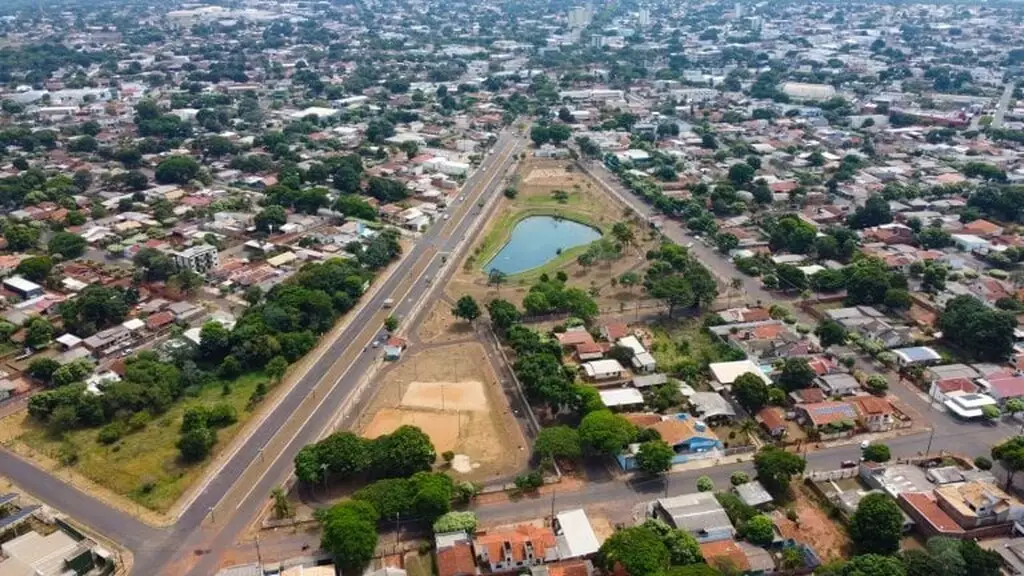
(873, 405)
(772, 418)
(574, 337)
(456, 560)
(1007, 386)
(589, 348)
(726, 550)
(956, 384)
(540, 538)
(811, 395)
(616, 331)
(930, 511)
(159, 320)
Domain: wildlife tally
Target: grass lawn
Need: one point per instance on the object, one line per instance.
(144, 465)
(419, 565)
(679, 340)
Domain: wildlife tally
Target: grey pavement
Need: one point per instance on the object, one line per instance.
(1003, 105)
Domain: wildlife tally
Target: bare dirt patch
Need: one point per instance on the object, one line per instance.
(446, 396)
(452, 393)
(441, 326)
(813, 527)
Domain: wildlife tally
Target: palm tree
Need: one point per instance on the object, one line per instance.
(748, 427)
(736, 284)
(497, 278)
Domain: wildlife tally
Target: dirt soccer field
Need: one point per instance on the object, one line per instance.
(453, 395)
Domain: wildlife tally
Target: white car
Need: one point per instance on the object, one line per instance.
(864, 444)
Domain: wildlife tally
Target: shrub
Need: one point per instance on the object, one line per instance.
(529, 482)
(111, 432)
(139, 420)
(739, 477)
(982, 463)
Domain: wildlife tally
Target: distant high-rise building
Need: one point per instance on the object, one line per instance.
(739, 10)
(645, 17)
(580, 16)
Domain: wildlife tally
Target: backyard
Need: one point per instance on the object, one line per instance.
(143, 465)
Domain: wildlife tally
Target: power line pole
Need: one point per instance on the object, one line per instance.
(930, 437)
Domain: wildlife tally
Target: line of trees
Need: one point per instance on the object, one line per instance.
(345, 456)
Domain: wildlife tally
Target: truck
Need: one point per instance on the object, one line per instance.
(388, 303)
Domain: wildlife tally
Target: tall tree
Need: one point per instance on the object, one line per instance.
(466, 308)
(877, 525)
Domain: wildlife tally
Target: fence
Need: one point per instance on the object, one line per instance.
(827, 475)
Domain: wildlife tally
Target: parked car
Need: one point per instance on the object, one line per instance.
(848, 464)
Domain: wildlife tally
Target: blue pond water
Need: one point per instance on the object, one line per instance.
(537, 239)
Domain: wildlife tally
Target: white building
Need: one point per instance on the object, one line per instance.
(199, 259)
(603, 369)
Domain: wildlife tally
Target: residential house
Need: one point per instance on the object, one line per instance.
(607, 369)
(753, 494)
(575, 337)
(838, 385)
(516, 548)
(588, 351)
(687, 436)
(649, 380)
(940, 389)
(968, 405)
(712, 406)
(109, 341)
(614, 332)
(574, 535)
(454, 554)
(622, 398)
(773, 420)
(644, 362)
(917, 356)
(876, 414)
(973, 504)
(1003, 386)
(700, 514)
(725, 373)
(23, 288)
(828, 417)
(927, 515)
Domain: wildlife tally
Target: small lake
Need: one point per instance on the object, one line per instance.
(538, 239)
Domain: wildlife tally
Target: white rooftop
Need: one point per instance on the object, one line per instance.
(576, 538)
(621, 397)
(728, 372)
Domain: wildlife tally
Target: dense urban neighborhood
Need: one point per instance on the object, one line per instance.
(411, 288)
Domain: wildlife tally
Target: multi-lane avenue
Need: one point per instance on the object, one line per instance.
(235, 491)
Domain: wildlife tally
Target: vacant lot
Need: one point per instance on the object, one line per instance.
(554, 188)
(144, 465)
(452, 393)
(678, 342)
(813, 527)
(441, 326)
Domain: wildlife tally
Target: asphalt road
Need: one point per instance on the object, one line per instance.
(238, 490)
(1002, 106)
(674, 230)
(406, 289)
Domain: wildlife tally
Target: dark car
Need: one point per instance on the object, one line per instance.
(848, 464)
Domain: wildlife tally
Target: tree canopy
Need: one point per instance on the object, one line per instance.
(877, 525)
